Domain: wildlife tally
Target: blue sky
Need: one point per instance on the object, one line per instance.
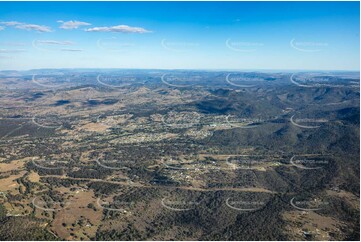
(180, 35)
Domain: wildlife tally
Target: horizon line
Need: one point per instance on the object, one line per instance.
(177, 69)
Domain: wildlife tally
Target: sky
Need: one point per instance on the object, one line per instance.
(180, 35)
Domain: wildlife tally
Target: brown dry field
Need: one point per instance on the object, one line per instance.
(76, 210)
(311, 221)
(13, 165)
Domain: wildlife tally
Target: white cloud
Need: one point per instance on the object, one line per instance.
(119, 29)
(38, 28)
(72, 24)
(2, 51)
(28, 27)
(51, 45)
(54, 42)
(10, 23)
(13, 43)
(2, 28)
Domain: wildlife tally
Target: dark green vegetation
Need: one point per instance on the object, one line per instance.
(180, 156)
